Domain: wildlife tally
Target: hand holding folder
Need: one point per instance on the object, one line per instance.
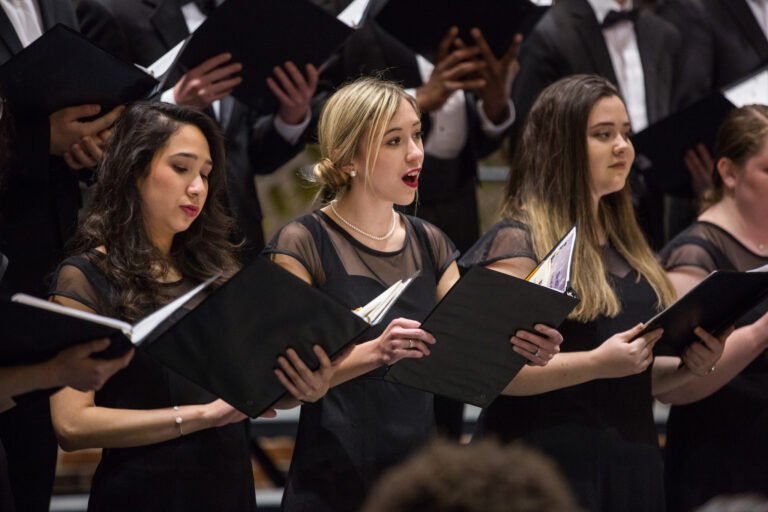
(228, 344)
(473, 359)
(715, 304)
(261, 35)
(64, 69)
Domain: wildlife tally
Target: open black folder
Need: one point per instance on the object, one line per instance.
(62, 69)
(473, 360)
(661, 147)
(228, 344)
(499, 20)
(262, 34)
(715, 304)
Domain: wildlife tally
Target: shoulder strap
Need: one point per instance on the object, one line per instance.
(421, 234)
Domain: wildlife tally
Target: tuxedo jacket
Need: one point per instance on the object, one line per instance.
(445, 184)
(141, 31)
(39, 194)
(722, 43)
(569, 40)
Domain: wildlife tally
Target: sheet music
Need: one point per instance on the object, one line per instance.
(554, 271)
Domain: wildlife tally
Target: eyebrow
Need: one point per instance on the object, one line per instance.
(192, 156)
(397, 128)
(606, 123)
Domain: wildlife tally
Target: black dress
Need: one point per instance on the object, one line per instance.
(718, 445)
(365, 425)
(601, 433)
(206, 470)
(6, 498)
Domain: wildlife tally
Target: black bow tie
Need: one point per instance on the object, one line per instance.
(614, 17)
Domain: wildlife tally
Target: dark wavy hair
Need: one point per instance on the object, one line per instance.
(132, 264)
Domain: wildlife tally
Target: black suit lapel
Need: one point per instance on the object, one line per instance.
(168, 21)
(749, 26)
(584, 20)
(649, 46)
(8, 35)
(54, 11)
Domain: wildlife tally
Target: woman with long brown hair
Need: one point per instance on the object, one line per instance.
(156, 228)
(591, 407)
(717, 445)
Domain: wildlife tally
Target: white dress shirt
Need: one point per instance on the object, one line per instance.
(621, 41)
(25, 18)
(760, 10)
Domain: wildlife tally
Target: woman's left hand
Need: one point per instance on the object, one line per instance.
(701, 357)
(538, 347)
(304, 384)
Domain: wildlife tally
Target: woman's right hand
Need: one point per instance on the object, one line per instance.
(625, 353)
(403, 339)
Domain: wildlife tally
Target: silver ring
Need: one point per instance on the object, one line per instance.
(410, 343)
(536, 354)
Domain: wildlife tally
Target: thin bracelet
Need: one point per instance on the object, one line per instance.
(179, 420)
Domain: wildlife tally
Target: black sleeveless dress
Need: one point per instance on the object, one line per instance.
(600, 433)
(365, 425)
(718, 445)
(206, 470)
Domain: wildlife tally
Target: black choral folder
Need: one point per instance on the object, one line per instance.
(261, 34)
(661, 147)
(499, 20)
(62, 68)
(473, 360)
(228, 344)
(715, 304)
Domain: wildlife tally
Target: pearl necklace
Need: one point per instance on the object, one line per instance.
(365, 233)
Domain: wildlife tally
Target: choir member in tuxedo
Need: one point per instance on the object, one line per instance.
(464, 100)
(634, 49)
(590, 408)
(156, 228)
(723, 41)
(716, 443)
(39, 202)
(141, 31)
(353, 248)
(72, 367)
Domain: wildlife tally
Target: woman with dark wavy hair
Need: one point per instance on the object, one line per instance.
(156, 228)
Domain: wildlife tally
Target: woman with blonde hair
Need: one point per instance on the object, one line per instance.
(354, 248)
(717, 445)
(591, 407)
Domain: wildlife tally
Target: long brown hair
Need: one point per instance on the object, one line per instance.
(549, 190)
(739, 138)
(132, 263)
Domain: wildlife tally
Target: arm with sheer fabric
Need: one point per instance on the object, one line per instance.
(743, 346)
(621, 355)
(401, 339)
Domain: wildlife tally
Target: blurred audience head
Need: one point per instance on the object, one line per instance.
(481, 477)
